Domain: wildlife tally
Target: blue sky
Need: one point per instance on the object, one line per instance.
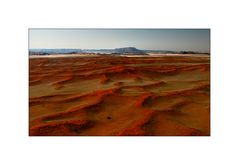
(155, 39)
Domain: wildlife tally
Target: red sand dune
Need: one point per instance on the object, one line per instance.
(125, 96)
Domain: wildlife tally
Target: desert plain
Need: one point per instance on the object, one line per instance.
(163, 95)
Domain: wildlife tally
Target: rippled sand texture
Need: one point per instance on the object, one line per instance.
(119, 96)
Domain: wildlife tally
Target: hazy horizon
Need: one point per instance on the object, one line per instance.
(197, 40)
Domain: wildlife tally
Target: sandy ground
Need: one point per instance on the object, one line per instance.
(104, 95)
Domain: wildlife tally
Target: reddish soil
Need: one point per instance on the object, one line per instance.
(126, 96)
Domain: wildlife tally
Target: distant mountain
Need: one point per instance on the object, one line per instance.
(129, 50)
(117, 51)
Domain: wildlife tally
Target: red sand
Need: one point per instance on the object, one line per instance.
(72, 96)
